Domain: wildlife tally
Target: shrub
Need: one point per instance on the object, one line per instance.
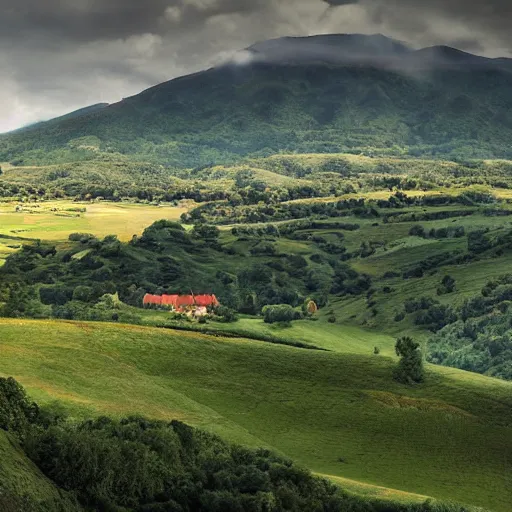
(400, 316)
(279, 313)
(447, 285)
(225, 314)
(16, 411)
(417, 230)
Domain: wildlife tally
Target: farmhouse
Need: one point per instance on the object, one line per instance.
(196, 305)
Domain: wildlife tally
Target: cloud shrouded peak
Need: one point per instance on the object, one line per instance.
(58, 56)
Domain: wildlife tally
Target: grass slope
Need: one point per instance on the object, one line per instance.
(20, 478)
(339, 414)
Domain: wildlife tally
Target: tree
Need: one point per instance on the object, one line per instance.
(16, 411)
(279, 313)
(410, 367)
(205, 232)
(447, 285)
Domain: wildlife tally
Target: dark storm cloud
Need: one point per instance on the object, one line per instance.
(80, 19)
(108, 19)
(57, 55)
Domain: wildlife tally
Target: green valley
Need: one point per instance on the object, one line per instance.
(277, 285)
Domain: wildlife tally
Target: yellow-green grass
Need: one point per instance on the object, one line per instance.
(375, 195)
(340, 414)
(375, 491)
(402, 251)
(19, 476)
(348, 339)
(100, 219)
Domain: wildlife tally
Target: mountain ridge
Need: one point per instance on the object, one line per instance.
(364, 93)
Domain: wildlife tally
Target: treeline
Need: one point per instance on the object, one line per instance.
(473, 336)
(224, 213)
(478, 337)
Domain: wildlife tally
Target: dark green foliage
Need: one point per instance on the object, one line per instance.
(436, 317)
(286, 108)
(399, 316)
(347, 281)
(483, 346)
(70, 284)
(225, 314)
(16, 411)
(478, 242)
(478, 336)
(279, 313)
(447, 285)
(410, 367)
(417, 230)
(206, 233)
(24, 301)
(135, 464)
(412, 305)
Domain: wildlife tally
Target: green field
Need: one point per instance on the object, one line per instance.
(56, 220)
(100, 219)
(391, 210)
(338, 413)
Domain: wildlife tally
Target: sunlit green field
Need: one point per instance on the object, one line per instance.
(100, 219)
(38, 221)
(338, 413)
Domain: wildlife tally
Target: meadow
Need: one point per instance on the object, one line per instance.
(338, 413)
(55, 220)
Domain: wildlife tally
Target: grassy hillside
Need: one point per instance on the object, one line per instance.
(338, 414)
(22, 485)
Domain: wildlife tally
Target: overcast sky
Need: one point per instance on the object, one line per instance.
(60, 55)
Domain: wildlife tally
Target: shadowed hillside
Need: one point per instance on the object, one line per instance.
(337, 93)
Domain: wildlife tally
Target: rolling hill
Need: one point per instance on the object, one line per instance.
(319, 94)
(339, 413)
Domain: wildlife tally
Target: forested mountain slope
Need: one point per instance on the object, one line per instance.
(323, 94)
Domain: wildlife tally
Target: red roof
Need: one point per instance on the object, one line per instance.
(181, 301)
(206, 300)
(152, 299)
(169, 300)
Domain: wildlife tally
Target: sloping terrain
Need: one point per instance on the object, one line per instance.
(338, 414)
(421, 102)
(22, 485)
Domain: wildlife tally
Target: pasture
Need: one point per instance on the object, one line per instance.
(338, 413)
(56, 220)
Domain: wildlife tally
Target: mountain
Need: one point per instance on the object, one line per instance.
(329, 93)
(332, 49)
